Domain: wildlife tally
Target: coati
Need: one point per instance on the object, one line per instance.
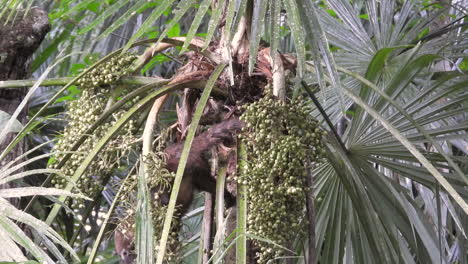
(196, 175)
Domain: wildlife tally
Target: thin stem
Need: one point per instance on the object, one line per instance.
(151, 123)
(324, 114)
(131, 80)
(207, 224)
(241, 244)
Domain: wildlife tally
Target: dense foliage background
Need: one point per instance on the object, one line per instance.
(389, 75)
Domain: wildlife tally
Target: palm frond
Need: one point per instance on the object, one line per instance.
(378, 173)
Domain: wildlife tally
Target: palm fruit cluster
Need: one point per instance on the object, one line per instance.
(174, 246)
(282, 142)
(127, 227)
(160, 182)
(108, 73)
(82, 114)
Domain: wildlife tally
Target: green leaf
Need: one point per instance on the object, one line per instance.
(174, 31)
(144, 224)
(240, 12)
(417, 154)
(53, 46)
(135, 9)
(100, 19)
(297, 31)
(183, 159)
(173, 28)
(76, 68)
(231, 11)
(214, 23)
(331, 12)
(157, 12)
(398, 83)
(94, 6)
(377, 63)
(364, 16)
(5, 170)
(73, 91)
(320, 50)
(31, 191)
(463, 65)
(92, 58)
(78, 7)
(8, 210)
(241, 245)
(5, 178)
(196, 23)
(13, 234)
(218, 241)
(423, 33)
(257, 30)
(415, 124)
(152, 33)
(155, 60)
(274, 27)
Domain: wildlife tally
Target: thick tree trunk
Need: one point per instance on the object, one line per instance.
(18, 41)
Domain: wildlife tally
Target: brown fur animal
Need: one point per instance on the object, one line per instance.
(197, 171)
(196, 175)
(125, 247)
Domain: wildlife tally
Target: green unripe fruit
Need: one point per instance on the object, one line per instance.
(82, 113)
(279, 138)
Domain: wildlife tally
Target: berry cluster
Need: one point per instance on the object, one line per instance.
(283, 141)
(160, 182)
(108, 73)
(81, 115)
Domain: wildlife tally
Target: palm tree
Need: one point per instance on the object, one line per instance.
(385, 80)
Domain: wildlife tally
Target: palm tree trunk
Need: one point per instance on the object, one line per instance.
(19, 39)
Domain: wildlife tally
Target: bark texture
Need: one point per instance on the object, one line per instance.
(19, 38)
